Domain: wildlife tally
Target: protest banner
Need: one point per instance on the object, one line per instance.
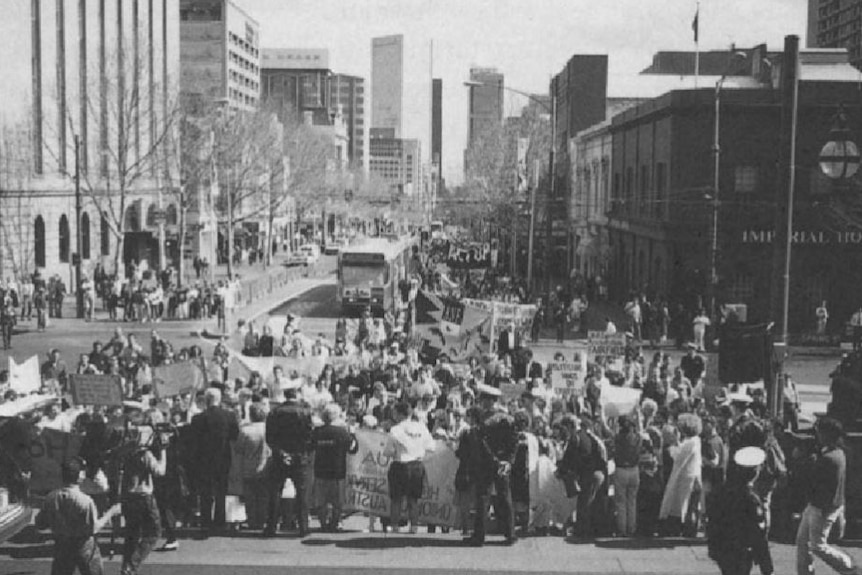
(473, 339)
(367, 488)
(503, 314)
(99, 390)
(177, 378)
(48, 450)
(619, 401)
(25, 378)
(453, 316)
(605, 345)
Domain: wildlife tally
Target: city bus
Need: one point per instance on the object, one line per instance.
(436, 229)
(369, 274)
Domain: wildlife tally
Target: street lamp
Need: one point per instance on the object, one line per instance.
(716, 151)
(552, 110)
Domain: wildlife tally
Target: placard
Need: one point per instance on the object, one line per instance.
(88, 389)
(177, 378)
(567, 376)
(602, 344)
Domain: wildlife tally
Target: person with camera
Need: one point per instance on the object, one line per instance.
(146, 459)
(74, 521)
(288, 433)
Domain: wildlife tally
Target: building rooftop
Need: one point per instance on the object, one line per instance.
(294, 58)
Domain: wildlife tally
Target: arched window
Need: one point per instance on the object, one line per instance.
(151, 216)
(132, 221)
(39, 237)
(171, 216)
(105, 236)
(64, 239)
(85, 236)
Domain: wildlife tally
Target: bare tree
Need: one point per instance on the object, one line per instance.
(16, 222)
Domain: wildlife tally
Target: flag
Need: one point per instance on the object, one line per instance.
(695, 24)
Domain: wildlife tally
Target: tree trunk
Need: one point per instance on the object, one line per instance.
(181, 232)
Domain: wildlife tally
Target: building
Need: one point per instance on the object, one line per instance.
(387, 83)
(347, 93)
(219, 55)
(396, 161)
(68, 68)
(437, 125)
(660, 221)
(296, 82)
(835, 24)
(591, 154)
(486, 101)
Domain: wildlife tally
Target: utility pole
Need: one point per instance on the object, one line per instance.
(79, 294)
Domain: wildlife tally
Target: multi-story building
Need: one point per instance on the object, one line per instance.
(347, 93)
(396, 162)
(486, 101)
(296, 82)
(437, 125)
(836, 24)
(387, 83)
(99, 75)
(219, 55)
(662, 186)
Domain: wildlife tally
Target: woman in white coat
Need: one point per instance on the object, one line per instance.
(684, 484)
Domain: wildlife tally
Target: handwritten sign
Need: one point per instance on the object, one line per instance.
(567, 376)
(602, 344)
(367, 488)
(96, 389)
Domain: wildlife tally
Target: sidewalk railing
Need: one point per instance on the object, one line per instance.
(255, 289)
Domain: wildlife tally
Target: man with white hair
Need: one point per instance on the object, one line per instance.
(331, 443)
(212, 431)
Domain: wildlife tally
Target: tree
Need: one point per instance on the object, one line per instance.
(16, 236)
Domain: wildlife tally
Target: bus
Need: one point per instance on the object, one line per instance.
(436, 229)
(369, 274)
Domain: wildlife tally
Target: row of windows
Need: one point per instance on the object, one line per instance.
(238, 96)
(244, 63)
(237, 41)
(244, 81)
(65, 238)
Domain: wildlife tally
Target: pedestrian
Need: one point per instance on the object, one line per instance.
(825, 503)
(213, 430)
(491, 459)
(74, 521)
(288, 434)
(627, 475)
(822, 316)
(26, 290)
(254, 455)
(140, 512)
(332, 443)
(406, 475)
(699, 325)
(736, 531)
(40, 304)
(8, 317)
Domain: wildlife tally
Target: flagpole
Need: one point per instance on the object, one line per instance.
(696, 26)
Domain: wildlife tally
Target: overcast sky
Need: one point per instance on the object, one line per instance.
(528, 40)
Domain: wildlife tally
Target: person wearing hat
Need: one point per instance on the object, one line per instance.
(736, 531)
(74, 521)
(825, 503)
(490, 463)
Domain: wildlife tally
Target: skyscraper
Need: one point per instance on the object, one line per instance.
(296, 82)
(486, 101)
(436, 124)
(835, 24)
(348, 93)
(387, 83)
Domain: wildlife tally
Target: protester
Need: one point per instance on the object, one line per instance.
(411, 441)
(332, 444)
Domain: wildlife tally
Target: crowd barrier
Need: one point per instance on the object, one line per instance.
(255, 289)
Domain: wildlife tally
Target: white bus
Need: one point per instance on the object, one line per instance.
(369, 274)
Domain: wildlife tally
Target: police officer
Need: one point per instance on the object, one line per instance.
(288, 434)
(736, 532)
(490, 464)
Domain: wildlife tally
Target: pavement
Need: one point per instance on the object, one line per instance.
(354, 551)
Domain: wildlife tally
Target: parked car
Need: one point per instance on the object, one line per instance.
(305, 256)
(335, 246)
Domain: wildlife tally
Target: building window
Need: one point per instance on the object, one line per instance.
(662, 207)
(171, 217)
(644, 204)
(85, 236)
(39, 241)
(151, 216)
(64, 239)
(105, 236)
(630, 183)
(745, 179)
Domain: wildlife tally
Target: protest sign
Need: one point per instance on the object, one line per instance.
(512, 390)
(567, 376)
(367, 488)
(177, 378)
(24, 377)
(453, 316)
(48, 450)
(602, 344)
(619, 401)
(96, 389)
(503, 314)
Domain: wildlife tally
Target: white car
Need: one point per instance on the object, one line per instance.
(306, 255)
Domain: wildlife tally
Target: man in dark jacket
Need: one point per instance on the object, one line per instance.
(213, 430)
(288, 433)
(332, 443)
(491, 464)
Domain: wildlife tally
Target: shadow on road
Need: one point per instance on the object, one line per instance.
(641, 543)
(393, 542)
(316, 302)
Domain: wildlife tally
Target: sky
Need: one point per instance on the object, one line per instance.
(528, 40)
